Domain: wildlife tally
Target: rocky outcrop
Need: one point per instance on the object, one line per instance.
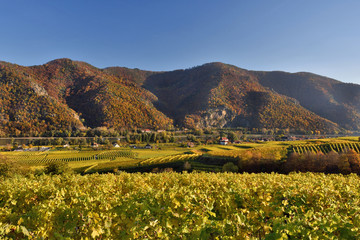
(213, 117)
(39, 90)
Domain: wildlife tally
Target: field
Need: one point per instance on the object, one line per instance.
(326, 147)
(176, 204)
(104, 160)
(172, 156)
(181, 206)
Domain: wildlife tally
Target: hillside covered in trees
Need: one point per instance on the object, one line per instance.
(68, 95)
(65, 94)
(220, 95)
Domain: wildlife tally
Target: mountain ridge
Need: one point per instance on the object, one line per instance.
(210, 95)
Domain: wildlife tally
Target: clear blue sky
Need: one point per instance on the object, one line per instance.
(320, 36)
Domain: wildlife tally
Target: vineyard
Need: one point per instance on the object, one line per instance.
(249, 157)
(171, 158)
(41, 158)
(181, 206)
(326, 147)
(102, 161)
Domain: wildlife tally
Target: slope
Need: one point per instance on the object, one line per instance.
(99, 98)
(54, 96)
(329, 98)
(27, 108)
(135, 75)
(221, 95)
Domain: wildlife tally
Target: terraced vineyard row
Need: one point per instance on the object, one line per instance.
(325, 148)
(172, 158)
(27, 156)
(116, 153)
(44, 158)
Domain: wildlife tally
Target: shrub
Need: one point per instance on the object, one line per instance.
(9, 168)
(187, 166)
(5, 167)
(230, 167)
(56, 168)
(354, 160)
(332, 162)
(343, 164)
(292, 162)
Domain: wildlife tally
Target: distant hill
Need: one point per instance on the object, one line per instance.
(135, 75)
(67, 95)
(220, 95)
(26, 107)
(68, 88)
(329, 98)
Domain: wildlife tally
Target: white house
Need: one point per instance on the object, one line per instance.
(224, 141)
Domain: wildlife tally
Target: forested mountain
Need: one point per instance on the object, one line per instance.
(67, 95)
(26, 107)
(329, 98)
(136, 75)
(222, 95)
(51, 96)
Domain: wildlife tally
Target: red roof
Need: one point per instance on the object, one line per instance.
(224, 139)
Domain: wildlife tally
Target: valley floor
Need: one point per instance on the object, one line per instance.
(266, 156)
